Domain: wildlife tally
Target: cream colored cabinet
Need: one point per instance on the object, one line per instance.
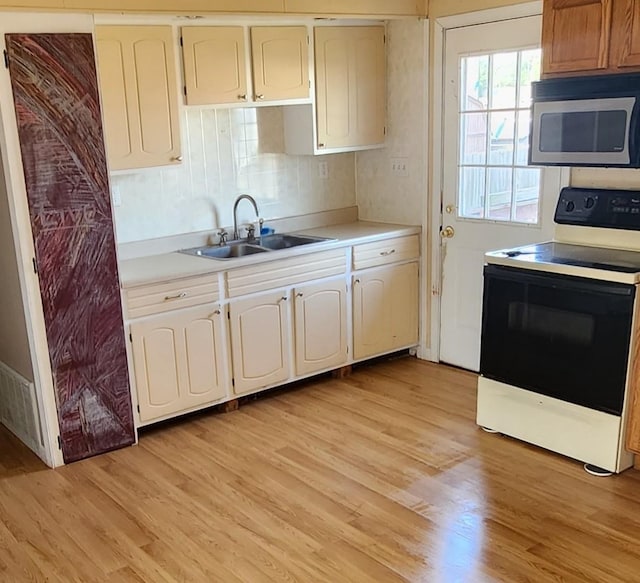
(178, 6)
(351, 88)
(260, 339)
(215, 68)
(136, 68)
(179, 361)
(280, 58)
(214, 64)
(320, 326)
(385, 309)
(361, 7)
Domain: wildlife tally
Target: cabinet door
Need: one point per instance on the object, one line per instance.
(260, 341)
(371, 314)
(177, 6)
(575, 35)
(136, 68)
(280, 56)
(404, 301)
(351, 90)
(214, 64)
(320, 326)
(179, 362)
(625, 38)
(385, 310)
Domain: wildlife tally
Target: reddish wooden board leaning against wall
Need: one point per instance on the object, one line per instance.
(55, 90)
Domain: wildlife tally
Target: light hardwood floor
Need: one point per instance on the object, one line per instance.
(379, 477)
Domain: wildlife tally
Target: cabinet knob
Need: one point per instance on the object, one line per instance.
(242, 97)
(283, 299)
(260, 97)
(320, 145)
(299, 294)
(356, 281)
(176, 159)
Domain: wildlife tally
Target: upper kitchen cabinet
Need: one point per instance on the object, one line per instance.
(214, 64)
(280, 58)
(359, 7)
(625, 40)
(179, 6)
(351, 87)
(575, 35)
(136, 68)
(590, 37)
(350, 106)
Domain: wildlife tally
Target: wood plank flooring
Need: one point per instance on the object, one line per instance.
(379, 477)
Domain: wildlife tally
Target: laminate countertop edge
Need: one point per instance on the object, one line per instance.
(172, 266)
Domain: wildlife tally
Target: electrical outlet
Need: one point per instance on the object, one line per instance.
(115, 196)
(400, 166)
(323, 170)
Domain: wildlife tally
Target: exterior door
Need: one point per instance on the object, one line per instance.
(491, 199)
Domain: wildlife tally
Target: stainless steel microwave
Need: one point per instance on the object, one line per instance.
(586, 121)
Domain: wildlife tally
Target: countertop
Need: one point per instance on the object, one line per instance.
(170, 266)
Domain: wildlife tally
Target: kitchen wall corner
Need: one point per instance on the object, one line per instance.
(382, 195)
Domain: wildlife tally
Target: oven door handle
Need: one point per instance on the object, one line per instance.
(558, 281)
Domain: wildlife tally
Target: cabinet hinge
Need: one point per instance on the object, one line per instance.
(181, 42)
(233, 382)
(384, 39)
(6, 59)
(130, 337)
(184, 89)
(384, 130)
(138, 408)
(228, 315)
(35, 265)
(59, 442)
(308, 40)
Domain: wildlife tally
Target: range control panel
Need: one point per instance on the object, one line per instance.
(595, 207)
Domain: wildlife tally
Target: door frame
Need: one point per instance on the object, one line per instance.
(435, 222)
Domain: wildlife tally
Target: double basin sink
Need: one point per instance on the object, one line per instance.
(235, 249)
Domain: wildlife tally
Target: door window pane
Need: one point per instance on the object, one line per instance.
(495, 182)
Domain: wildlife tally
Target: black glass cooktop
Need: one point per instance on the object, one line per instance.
(579, 255)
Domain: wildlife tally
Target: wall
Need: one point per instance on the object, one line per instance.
(383, 196)
(14, 345)
(438, 8)
(229, 152)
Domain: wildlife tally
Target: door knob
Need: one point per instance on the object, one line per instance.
(450, 208)
(447, 232)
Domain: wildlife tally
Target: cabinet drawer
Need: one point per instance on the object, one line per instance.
(387, 251)
(285, 272)
(163, 297)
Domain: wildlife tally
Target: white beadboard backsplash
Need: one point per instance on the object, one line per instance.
(228, 152)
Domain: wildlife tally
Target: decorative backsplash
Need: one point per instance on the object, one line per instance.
(228, 152)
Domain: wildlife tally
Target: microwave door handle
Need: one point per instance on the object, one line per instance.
(634, 138)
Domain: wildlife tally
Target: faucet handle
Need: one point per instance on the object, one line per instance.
(222, 237)
(251, 231)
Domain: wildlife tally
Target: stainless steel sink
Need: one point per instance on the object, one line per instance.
(287, 241)
(225, 252)
(234, 249)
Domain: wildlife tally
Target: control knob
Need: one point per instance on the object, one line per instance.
(589, 202)
(570, 207)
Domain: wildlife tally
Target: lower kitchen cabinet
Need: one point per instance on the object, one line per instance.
(179, 361)
(385, 309)
(260, 340)
(320, 326)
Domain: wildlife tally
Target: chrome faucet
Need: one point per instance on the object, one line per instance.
(236, 235)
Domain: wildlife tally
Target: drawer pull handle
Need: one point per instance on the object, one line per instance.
(387, 253)
(176, 297)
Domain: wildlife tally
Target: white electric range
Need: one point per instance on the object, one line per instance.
(560, 326)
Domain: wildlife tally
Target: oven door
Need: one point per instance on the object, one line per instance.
(560, 336)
